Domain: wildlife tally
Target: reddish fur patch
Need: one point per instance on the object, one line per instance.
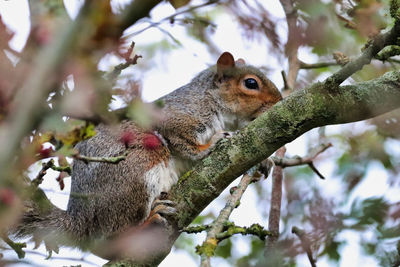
(127, 138)
(151, 142)
(7, 196)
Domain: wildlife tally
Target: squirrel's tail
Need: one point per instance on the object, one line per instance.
(43, 221)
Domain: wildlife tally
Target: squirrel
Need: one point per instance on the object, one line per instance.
(106, 199)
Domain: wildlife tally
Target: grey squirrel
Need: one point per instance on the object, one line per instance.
(107, 199)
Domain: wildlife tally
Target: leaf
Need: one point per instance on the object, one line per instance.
(224, 249)
(332, 250)
(369, 211)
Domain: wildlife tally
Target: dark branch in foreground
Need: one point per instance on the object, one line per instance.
(46, 67)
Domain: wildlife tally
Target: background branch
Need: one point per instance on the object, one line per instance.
(305, 243)
(276, 200)
(370, 51)
(208, 247)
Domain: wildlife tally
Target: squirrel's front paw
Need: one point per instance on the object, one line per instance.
(160, 209)
(217, 137)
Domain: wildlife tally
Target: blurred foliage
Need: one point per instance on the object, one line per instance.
(325, 27)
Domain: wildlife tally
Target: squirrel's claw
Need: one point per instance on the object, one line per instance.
(160, 209)
(164, 202)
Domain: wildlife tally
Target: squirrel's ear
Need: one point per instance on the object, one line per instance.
(225, 61)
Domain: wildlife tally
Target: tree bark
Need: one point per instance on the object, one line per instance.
(315, 106)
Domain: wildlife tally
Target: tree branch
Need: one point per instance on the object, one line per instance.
(293, 42)
(112, 160)
(298, 113)
(306, 66)
(208, 247)
(172, 17)
(370, 51)
(305, 243)
(276, 200)
(296, 161)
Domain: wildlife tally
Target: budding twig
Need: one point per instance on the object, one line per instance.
(39, 178)
(369, 52)
(129, 60)
(318, 65)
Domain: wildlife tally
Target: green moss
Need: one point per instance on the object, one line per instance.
(185, 176)
(208, 247)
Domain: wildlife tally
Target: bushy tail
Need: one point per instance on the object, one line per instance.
(43, 221)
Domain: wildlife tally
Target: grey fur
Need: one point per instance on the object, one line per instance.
(106, 199)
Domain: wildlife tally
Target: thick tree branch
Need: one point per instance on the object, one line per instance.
(300, 112)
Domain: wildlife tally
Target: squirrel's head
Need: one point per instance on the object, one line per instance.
(244, 89)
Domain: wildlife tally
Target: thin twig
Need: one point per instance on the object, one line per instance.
(171, 17)
(307, 160)
(291, 50)
(86, 159)
(49, 165)
(370, 51)
(318, 65)
(17, 247)
(39, 178)
(289, 162)
(81, 259)
(229, 230)
(217, 226)
(305, 243)
(129, 60)
(285, 82)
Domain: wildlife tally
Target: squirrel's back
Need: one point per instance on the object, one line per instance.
(106, 198)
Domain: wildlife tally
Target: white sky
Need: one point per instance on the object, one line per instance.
(174, 70)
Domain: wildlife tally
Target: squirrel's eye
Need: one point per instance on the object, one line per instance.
(251, 84)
